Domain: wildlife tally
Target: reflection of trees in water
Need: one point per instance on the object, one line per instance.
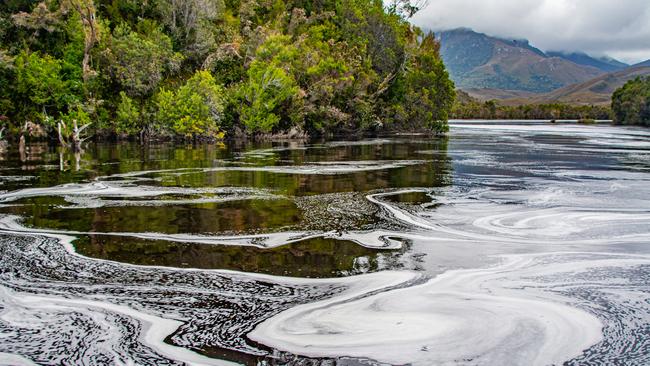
(320, 194)
(102, 159)
(231, 217)
(318, 257)
(337, 202)
(64, 164)
(432, 173)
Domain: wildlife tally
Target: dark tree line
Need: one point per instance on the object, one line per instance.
(631, 103)
(467, 107)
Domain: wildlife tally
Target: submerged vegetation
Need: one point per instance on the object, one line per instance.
(631, 103)
(209, 68)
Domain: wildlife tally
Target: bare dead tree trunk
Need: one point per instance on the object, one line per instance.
(21, 149)
(62, 140)
(77, 161)
(3, 143)
(75, 140)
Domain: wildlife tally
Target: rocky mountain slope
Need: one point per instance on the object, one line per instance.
(606, 64)
(476, 60)
(597, 91)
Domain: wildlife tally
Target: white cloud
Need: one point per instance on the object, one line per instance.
(620, 28)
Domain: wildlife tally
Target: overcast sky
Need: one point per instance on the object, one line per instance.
(618, 28)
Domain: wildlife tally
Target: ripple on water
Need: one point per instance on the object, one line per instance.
(339, 209)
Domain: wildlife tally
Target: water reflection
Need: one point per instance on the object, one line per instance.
(314, 258)
(235, 217)
(512, 257)
(288, 186)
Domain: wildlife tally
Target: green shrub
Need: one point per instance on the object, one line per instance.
(195, 109)
(138, 60)
(39, 82)
(76, 115)
(127, 119)
(268, 93)
(268, 89)
(424, 95)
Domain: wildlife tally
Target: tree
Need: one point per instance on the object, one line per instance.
(65, 64)
(192, 23)
(71, 127)
(41, 18)
(86, 11)
(127, 119)
(41, 87)
(6, 84)
(49, 17)
(270, 88)
(407, 8)
(631, 103)
(194, 109)
(137, 61)
(319, 67)
(424, 95)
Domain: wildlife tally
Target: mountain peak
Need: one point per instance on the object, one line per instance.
(477, 60)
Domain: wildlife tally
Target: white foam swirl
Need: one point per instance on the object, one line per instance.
(445, 320)
(28, 311)
(370, 239)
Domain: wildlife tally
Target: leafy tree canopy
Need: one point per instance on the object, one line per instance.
(195, 68)
(631, 103)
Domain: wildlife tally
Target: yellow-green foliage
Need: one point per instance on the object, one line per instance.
(269, 88)
(426, 94)
(195, 108)
(76, 116)
(40, 85)
(127, 116)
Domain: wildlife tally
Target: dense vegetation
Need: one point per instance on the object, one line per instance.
(631, 103)
(205, 68)
(467, 107)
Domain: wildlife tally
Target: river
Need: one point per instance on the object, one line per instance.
(507, 243)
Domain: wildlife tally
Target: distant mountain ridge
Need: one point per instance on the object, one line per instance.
(644, 63)
(597, 91)
(603, 63)
(478, 61)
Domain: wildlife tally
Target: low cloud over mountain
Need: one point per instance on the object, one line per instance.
(620, 29)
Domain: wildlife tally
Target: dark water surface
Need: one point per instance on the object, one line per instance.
(508, 243)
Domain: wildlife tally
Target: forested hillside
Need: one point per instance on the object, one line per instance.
(631, 103)
(209, 68)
